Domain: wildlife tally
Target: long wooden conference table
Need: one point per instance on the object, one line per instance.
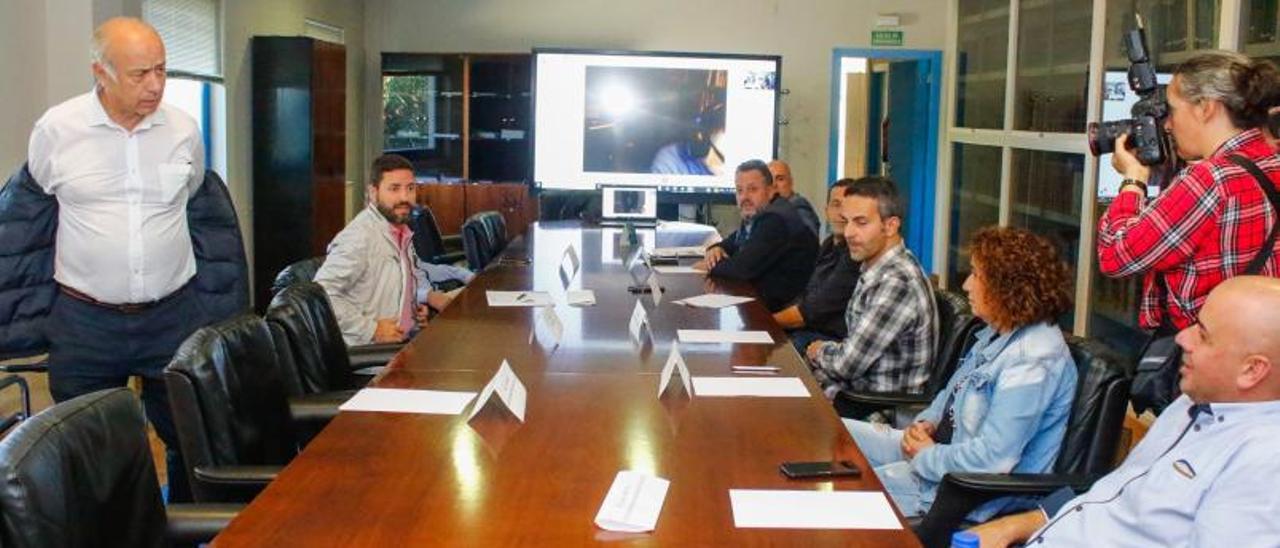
(382, 479)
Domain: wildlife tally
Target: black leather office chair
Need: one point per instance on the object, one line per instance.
(81, 474)
(323, 371)
(227, 391)
(956, 328)
(1088, 447)
(477, 242)
(430, 245)
(301, 271)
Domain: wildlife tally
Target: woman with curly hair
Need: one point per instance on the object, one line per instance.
(1005, 409)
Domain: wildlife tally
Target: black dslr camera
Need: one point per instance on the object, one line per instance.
(1147, 137)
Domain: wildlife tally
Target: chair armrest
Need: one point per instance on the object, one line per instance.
(236, 475)
(41, 367)
(888, 399)
(961, 493)
(191, 524)
(367, 355)
(318, 407)
(451, 257)
(231, 483)
(452, 241)
(1020, 484)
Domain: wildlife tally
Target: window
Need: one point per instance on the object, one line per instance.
(1017, 152)
(981, 57)
(1260, 28)
(191, 30)
(1053, 68)
(975, 176)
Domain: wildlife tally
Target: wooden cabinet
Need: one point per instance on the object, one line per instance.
(453, 203)
(299, 152)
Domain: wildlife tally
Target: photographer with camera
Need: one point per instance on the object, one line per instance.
(1213, 220)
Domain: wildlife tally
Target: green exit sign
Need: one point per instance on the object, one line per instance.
(886, 38)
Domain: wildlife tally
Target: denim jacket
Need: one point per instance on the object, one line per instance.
(1013, 395)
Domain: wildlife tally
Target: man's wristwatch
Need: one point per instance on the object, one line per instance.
(1141, 185)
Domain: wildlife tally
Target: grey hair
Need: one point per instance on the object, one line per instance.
(98, 52)
(1244, 86)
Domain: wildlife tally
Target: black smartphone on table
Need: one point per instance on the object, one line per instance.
(820, 470)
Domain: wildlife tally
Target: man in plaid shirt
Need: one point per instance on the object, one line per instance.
(892, 317)
(1213, 218)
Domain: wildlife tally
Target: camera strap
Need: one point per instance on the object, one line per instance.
(1273, 196)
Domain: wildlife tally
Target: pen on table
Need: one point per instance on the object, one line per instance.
(755, 369)
(522, 297)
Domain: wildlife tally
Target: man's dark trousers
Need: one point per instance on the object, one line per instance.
(94, 348)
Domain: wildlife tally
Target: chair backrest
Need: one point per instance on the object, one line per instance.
(301, 271)
(80, 474)
(476, 242)
(302, 320)
(497, 229)
(427, 241)
(229, 401)
(956, 327)
(1102, 398)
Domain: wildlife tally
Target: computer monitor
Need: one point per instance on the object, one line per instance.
(680, 122)
(628, 203)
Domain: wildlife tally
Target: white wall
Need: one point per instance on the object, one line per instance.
(44, 52)
(804, 32)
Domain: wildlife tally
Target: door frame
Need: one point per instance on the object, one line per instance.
(926, 199)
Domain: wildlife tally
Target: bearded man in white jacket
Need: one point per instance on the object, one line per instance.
(380, 291)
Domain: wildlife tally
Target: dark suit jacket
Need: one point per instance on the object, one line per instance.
(777, 257)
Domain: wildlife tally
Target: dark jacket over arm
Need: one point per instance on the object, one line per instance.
(777, 258)
(29, 222)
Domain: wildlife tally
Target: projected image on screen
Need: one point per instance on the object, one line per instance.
(654, 120)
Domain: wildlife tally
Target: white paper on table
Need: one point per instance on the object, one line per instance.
(509, 390)
(784, 509)
(664, 269)
(760, 387)
(581, 297)
(714, 300)
(399, 400)
(685, 251)
(718, 336)
(655, 289)
(639, 320)
(551, 320)
(675, 362)
(633, 502)
(519, 298)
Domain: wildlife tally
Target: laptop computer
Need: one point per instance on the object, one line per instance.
(634, 204)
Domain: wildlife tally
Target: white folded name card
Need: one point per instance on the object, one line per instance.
(509, 389)
(633, 503)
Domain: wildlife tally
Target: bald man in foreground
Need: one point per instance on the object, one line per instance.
(122, 167)
(1208, 471)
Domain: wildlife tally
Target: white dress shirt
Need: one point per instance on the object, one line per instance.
(1204, 481)
(122, 198)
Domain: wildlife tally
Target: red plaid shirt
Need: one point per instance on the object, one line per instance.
(1204, 228)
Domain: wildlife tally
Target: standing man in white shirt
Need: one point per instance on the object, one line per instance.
(122, 167)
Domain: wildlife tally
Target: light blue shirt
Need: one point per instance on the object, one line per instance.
(1217, 486)
(1013, 394)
